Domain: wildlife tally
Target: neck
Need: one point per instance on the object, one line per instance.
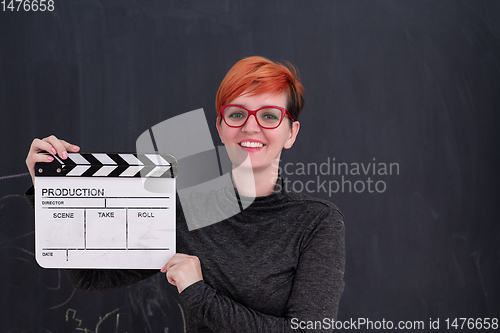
(256, 182)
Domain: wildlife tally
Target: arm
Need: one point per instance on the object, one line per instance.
(315, 295)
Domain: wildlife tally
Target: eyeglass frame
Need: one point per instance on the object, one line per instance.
(254, 113)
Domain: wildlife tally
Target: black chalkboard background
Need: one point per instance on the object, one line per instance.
(415, 83)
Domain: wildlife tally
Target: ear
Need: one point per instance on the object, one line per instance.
(293, 135)
(219, 129)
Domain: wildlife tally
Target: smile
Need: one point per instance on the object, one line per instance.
(251, 144)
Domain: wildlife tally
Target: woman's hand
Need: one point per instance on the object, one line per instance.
(50, 145)
(183, 270)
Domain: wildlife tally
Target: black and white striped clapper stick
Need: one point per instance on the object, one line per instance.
(110, 165)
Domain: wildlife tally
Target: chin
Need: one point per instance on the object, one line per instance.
(247, 164)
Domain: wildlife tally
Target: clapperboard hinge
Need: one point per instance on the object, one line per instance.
(152, 165)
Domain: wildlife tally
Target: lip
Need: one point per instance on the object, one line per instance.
(251, 149)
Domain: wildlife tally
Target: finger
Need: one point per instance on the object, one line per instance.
(35, 158)
(170, 279)
(70, 147)
(57, 145)
(32, 159)
(45, 145)
(171, 263)
(34, 155)
(38, 146)
(175, 260)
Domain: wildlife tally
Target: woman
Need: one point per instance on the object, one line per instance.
(278, 265)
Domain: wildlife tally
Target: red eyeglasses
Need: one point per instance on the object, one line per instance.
(268, 117)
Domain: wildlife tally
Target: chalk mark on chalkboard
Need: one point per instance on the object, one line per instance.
(11, 196)
(58, 282)
(476, 256)
(17, 237)
(22, 249)
(14, 176)
(101, 320)
(73, 317)
(65, 302)
(183, 318)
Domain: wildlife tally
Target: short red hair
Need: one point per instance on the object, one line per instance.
(260, 75)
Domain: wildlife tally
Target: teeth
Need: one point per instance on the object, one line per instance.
(251, 144)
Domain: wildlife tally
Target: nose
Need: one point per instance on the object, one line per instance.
(251, 126)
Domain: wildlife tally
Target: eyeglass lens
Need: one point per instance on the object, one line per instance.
(267, 118)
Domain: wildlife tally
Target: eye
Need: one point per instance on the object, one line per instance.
(239, 114)
(270, 116)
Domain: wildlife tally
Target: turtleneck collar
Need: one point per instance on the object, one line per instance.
(277, 195)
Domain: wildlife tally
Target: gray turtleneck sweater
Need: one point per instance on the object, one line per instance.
(274, 267)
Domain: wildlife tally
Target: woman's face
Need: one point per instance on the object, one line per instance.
(263, 146)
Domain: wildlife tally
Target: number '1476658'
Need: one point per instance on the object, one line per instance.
(28, 5)
(471, 323)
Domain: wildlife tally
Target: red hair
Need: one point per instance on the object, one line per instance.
(260, 75)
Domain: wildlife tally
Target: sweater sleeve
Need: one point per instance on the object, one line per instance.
(99, 279)
(315, 295)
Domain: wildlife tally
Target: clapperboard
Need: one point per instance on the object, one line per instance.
(94, 210)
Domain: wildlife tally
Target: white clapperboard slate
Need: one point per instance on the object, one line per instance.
(92, 210)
